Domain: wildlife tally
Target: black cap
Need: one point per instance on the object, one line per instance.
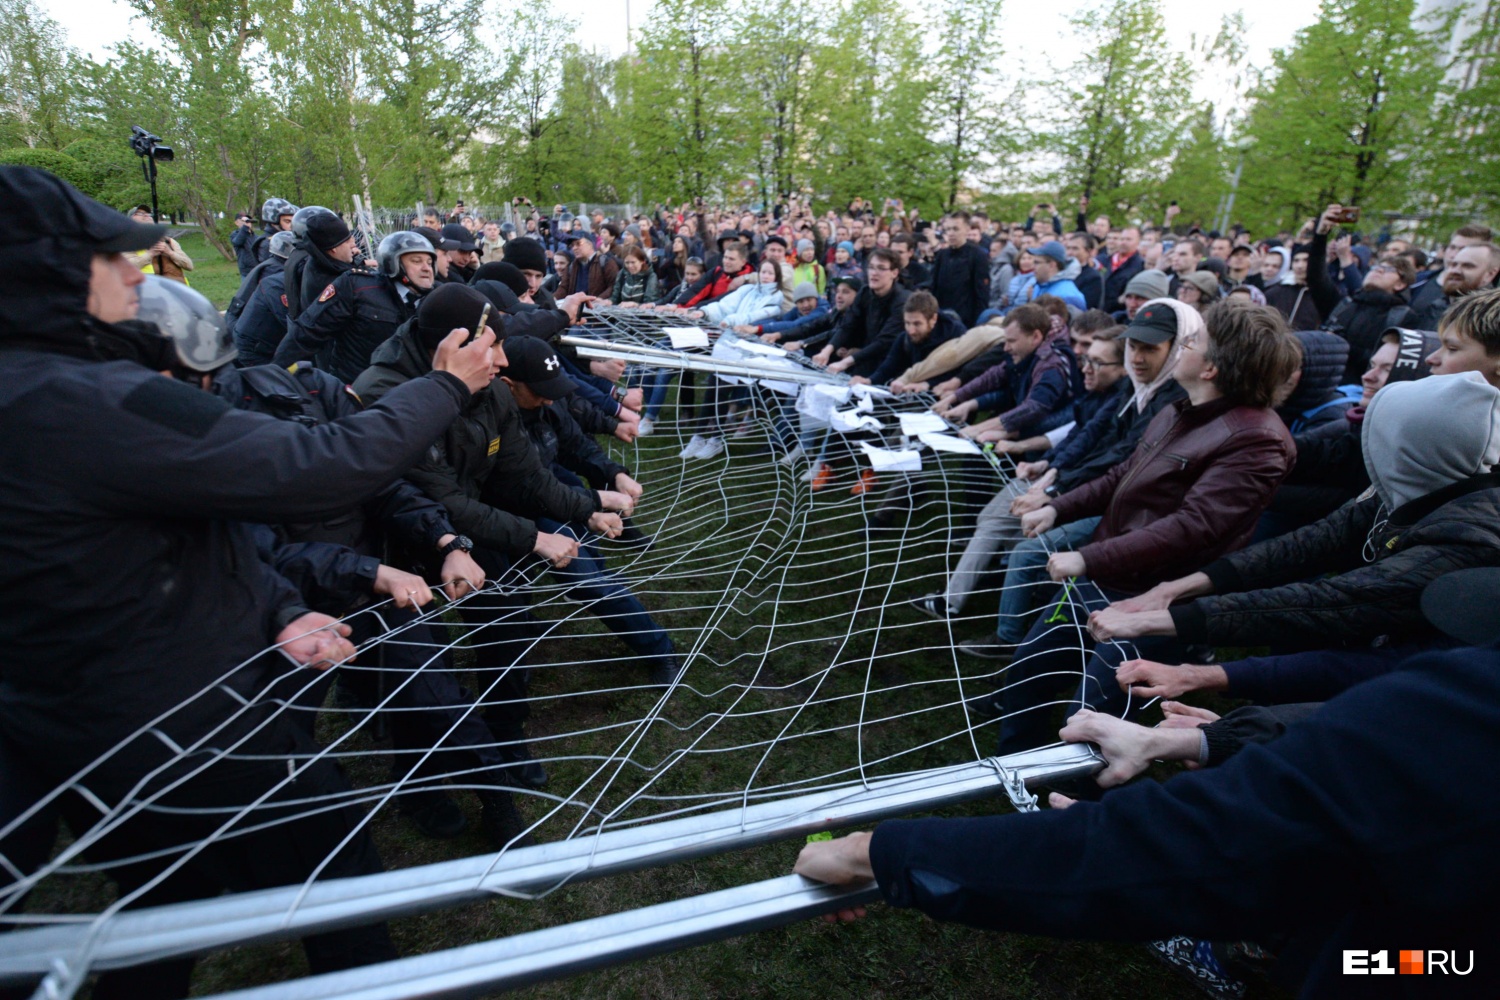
(327, 231)
(434, 237)
(536, 365)
(446, 308)
(504, 272)
(1462, 604)
(581, 234)
(1155, 323)
(526, 254)
(38, 202)
(457, 237)
(776, 239)
(1413, 348)
(850, 280)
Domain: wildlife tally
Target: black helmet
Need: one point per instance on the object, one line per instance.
(195, 327)
(274, 208)
(388, 256)
(282, 245)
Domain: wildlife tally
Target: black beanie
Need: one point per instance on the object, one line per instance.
(526, 254)
(444, 309)
(326, 231)
(504, 272)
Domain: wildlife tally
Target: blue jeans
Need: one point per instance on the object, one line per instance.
(1057, 655)
(607, 596)
(1026, 576)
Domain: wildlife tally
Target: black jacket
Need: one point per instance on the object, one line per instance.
(352, 316)
(309, 272)
(1332, 834)
(872, 325)
(961, 281)
(128, 584)
(903, 353)
(261, 328)
(243, 240)
(1258, 598)
(1110, 437)
(559, 439)
(1317, 399)
(251, 281)
(484, 470)
(1361, 319)
(1116, 280)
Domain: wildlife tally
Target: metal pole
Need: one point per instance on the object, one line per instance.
(1234, 187)
(137, 936)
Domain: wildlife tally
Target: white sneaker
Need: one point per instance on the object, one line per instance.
(712, 448)
(791, 458)
(645, 427)
(811, 473)
(693, 446)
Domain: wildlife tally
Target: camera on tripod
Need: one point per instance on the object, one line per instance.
(146, 144)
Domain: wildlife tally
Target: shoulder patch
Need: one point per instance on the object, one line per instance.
(494, 448)
(176, 406)
(284, 303)
(328, 293)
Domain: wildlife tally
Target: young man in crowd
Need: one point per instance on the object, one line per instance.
(1471, 269)
(1048, 262)
(590, 271)
(1028, 391)
(1142, 288)
(1469, 337)
(961, 272)
(1123, 264)
(864, 337)
(926, 328)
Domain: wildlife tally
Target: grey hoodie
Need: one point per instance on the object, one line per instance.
(1422, 436)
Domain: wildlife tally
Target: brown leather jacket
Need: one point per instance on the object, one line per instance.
(600, 279)
(1191, 491)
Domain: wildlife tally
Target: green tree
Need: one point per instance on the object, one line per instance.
(1343, 114)
(36, 67)
(1125, 110)
(965, 83)
(1462, 159)
(1198, 179)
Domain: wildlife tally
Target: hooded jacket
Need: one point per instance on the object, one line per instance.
(793, 319)
(746, 305)
(483, 469)
(128, 586)
(1430, 448)
(1317, 399)
(904, 354)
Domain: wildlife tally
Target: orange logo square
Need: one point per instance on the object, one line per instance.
(1411, 963)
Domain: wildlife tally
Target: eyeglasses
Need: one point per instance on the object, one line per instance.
(1087, 362)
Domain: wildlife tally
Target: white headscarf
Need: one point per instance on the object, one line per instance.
(1189, 321)
(1283, 276)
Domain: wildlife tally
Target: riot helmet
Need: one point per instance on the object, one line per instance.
(195, 327)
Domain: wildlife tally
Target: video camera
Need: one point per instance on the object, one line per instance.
(145, 144)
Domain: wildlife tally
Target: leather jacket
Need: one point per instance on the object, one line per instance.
(1190, 492)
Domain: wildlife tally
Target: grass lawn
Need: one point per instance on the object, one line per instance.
(212, 275)
(768, 587)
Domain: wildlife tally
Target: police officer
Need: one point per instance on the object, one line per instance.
(276, 217)
(325, 249)
(360, 310)
(134, 606)
(482, 470)
(281, 245)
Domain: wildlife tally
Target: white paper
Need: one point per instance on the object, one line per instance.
(865, 405)
(818, 400)
(686, 336)
(913, 424)
(849, 421)
(885, 460)
(757, 347)
(947, 442)
(871, 390)
(1056, 435)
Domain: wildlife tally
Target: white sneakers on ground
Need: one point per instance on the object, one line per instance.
(644, 428)
(792, 457)
(703, 447)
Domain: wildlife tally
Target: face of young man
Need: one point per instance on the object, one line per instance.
(734, 262)
(1021, 344)
(1145, 361)
(460, 258)
(774, 252)
(843, 297)
(1130, 240)
(880, 275)
(919, 326)
(1220, 248)
(1379, 372)
(1112, 242)
(1184, 259)
(113, 281)
(1078, 250)
(1455, 244)
(534, 281)
(1192, 361)
(1460, 352)
(1133, 304)
(1470, 270)
(956, 232)
(1384, 278)
(1102, 366)
(344, 251)
(807, 305)
(1299, 268)
(1045, 269)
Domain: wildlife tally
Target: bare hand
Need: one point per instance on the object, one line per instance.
(745, 330)
(616, 501)
(1063, 565)
(316, 640)
(609, 369)
(474, 364)
(460, 575)
(790, 345)
(627, 430)
(559, 550)
(405, 589)
(1127, 747)
(628, 486)
(1158, 598)
(1030, 470)
(633, 399)
(844, 365)
(858, 379)
(573, 305)
(1325, 221)
(844, 861)
(1150, 679)
(607, 524)
(1176, 715)
(1039, 521)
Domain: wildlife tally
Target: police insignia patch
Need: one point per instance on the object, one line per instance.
(284, 302)
(328, 293)
(494, 447)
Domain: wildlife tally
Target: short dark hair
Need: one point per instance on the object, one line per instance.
(1404, 268)
(1477, 316)
(735, 246)
(1031, 318)
(1417, 257)
(886, 254)
(922, 301)
(1089, 243)
(1475, 231)
(1253, 350)
(1113, 335)
(904, 239)
(1092, 321)
(961, 217)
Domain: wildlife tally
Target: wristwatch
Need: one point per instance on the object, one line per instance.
(460, 542)
(1052, 490)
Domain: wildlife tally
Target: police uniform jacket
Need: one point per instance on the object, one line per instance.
(355, 314)
(484, 470)
(260, 329)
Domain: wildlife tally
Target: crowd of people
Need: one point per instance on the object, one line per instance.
(1282, 446)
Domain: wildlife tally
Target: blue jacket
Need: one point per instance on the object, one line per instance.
(1063, 288)
(1328, 834)
(262, 325)
(791, 319)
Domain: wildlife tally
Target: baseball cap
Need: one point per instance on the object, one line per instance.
(853, 282)
(1052, 250)
(39, 202)
(536, 365)
(457, 237)
(1462, 604)
(1155, 323)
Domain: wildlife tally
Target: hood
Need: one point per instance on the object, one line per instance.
(1073, 270)
(1284, 275)
(1324, 356)
(1421, 436)
(403, 352)
(1189, 320)
(1412, 352)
